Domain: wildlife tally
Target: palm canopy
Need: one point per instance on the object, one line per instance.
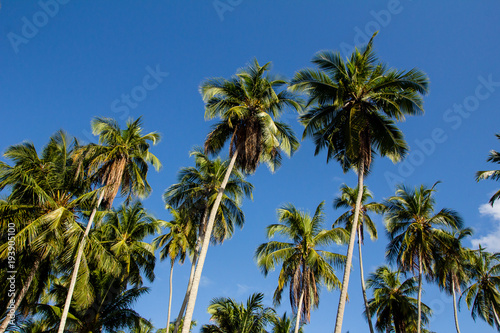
(352, 103)
(412, 226)
(120, 159)
(483, 296)
(197, 188)
(230, 316)
(491, 174)
(124, 232)
(305, 265)
(283, 324)
(347, 199)
(249, 105)
(392, 302)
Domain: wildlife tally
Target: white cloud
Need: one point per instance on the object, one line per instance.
(492, 240)
(205, 282)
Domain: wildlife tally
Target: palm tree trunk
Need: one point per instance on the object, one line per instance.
(419, 301)
(350, 250)
(193, 267)
(455, 304)
(204, 247)
(299, 310)
(496, 315)
(363, 288)
(170, 293)
(21, 294)
(74, 276)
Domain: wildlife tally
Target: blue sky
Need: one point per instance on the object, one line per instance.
(64, 62)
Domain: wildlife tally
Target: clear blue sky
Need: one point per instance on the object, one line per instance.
(83, 58)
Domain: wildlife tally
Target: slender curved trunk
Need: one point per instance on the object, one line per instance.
(419, 301)
(350, 250)
(170, 293)
(455, 305)
(363, 287)
(204, 247)
(21, 295)
(299, 310)
(74, 276)
(496, 316)
(193, 267)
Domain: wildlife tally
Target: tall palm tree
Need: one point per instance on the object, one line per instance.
(392, 301)
(305, 267)
(174, 244)
(44, 205)
(491, 174)
(412, 226)
(230, 316)
(196, 191)
(352, 107)
(347, 199)
(248, 105)
(450, 268)
(483, 296)
(119, 161)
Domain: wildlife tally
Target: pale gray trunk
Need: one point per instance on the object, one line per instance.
(350, 250)
(21, 295)
(299, 310)
(204, 248)
(419, 319)
(170, 293)
(193, 267)
(455, 305)
(496, 316)
(363, 288)
(74, 276)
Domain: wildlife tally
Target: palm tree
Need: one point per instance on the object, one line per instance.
(119, 161)
(412, 227)
(284, 324)
(450, 268)
(248, 105)
(175, 244)
(230, 316)
(355, 102)
(392, 301)
(483, 296)
(347, 199)
(491, 174)
(44, 205)
(304, 265)
(196, 191)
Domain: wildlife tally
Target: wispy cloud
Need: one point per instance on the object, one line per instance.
(205, 282)
(491, 241)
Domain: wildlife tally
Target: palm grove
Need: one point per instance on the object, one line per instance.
(82, 263)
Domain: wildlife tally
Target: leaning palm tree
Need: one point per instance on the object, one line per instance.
(352, 107)
(491, 174)
(119, 161)
(305, 267)
(174, 244)
(451, 268)
(229, 316)
(347, 199)
(412, 226)
(483, 296)
(196, 191)
(44, 204)
(392, 302)
(248, 105)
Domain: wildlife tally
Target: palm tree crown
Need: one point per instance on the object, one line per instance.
(491, 174)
